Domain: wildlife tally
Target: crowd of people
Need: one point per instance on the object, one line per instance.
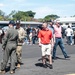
(48, 36)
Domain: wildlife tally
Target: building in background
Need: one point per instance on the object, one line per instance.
(66, 21)
(23, 24)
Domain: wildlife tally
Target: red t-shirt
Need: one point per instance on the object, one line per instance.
(45, 36)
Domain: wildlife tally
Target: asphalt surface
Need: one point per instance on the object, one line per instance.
(32, 66)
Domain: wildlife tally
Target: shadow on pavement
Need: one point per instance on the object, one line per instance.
(61, 58)
(39, 64)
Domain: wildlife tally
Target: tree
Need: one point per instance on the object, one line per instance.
(12, 13)
(1, 18)
(50, 17)
(40, 19)
(24, 16)
(2, 14)
(30, 13)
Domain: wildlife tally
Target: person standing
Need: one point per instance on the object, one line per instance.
(58, 41)
(74, 37)
(69, 34)
(50, 27)
(1, 35)
(22, 34)
(28, 30)
(9, 45)
(33, 36)
(45, 40)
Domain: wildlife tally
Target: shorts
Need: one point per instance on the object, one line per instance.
(46, 49)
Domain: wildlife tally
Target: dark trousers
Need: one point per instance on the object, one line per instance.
(74, 39)
(33, 39)
(9, 52)
(69, 39)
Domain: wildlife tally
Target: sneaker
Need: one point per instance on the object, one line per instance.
(2, 72)
(11, 72)
(67, 57)
(50, 66)
(54, 58)
(44, 65)
(18, 65)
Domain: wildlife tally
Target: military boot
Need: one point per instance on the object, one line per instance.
(18, 65)
(2, 72)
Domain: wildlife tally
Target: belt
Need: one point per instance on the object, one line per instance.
(46, 44)
(58, 37)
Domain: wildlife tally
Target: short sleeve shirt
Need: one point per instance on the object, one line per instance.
(45, 36)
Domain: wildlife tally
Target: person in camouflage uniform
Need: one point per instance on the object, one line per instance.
(22, 34)
(9, 45)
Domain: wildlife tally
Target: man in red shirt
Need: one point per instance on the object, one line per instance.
(46, 42)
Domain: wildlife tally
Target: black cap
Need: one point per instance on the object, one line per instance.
(18, 22)
(12, 22)
(50, 20)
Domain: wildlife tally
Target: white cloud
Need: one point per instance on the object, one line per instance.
(20, 1)
(1, 5)
(41, 12)
(41, 9)
(44, 11)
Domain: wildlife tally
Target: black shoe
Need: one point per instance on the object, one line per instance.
(50, 66)
(44, 65)
(54, 58)
(67, 57)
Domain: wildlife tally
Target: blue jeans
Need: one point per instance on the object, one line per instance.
(59, 42)
(69, 39)
(33, 39)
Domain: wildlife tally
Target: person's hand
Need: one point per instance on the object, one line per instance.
(52, 45)
(54, 41)
(40, 44)
(3, 47)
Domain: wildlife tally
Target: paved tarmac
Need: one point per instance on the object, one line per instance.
(32, 66)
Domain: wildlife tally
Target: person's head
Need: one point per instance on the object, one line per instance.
(69, 27)
(44, 25)
(11, 23)
(51, 23)
(28, 26)
(18, 24)
(57, 23)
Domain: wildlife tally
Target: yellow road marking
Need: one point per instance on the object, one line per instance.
(69, 74)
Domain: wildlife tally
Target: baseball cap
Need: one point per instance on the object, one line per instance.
(18, 22)
(12, 22)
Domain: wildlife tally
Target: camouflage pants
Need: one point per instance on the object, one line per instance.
(19, 54)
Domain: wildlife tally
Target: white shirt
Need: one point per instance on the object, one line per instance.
(0, 32)
(69, 32)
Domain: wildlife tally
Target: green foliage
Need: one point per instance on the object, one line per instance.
(50, 17)
(25, 16)
(2, 13)
(30, 13)
(40, 20)
(1, 18)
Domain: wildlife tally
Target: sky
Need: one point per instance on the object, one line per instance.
(62, 8)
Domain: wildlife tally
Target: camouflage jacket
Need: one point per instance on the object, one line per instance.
(22, 35)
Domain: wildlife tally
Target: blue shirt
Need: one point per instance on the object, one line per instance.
(51, 28)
